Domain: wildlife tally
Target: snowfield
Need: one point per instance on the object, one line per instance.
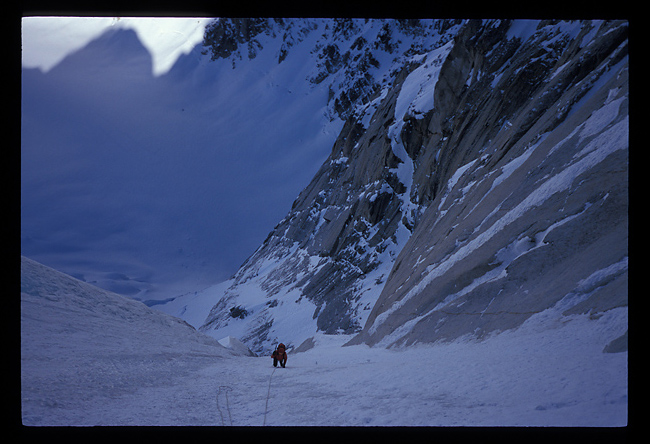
(89, 357)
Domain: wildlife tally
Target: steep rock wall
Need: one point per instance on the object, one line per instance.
(484, 182)
(535, 213)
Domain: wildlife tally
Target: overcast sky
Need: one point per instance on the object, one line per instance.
(47, 40)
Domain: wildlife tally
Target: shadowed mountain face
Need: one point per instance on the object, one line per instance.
(154, 186)
(484, 181)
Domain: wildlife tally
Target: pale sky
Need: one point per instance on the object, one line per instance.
(47, 40)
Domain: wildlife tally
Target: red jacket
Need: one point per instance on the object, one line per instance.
(280, 354)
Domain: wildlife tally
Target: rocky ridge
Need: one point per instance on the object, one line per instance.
(355, 58)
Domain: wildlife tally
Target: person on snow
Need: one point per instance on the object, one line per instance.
(280, 355)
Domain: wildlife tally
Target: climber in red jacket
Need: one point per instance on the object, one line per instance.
(280, 355)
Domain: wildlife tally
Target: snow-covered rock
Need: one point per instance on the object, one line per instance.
(483, 181)
(531, 206)
(236, 345)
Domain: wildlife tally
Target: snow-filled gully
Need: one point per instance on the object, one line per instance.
(547, 377)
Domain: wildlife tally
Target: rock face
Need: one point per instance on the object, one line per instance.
(535, 206)
(485, 179)
(354, 58)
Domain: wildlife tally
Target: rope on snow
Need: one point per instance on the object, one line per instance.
(268, 394)
(225, 389)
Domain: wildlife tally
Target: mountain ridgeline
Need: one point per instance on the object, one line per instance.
(481, 177)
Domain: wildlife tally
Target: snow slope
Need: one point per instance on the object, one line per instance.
(84, 349)
(94, 358)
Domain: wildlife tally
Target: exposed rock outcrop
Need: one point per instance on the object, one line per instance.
(536, 203)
